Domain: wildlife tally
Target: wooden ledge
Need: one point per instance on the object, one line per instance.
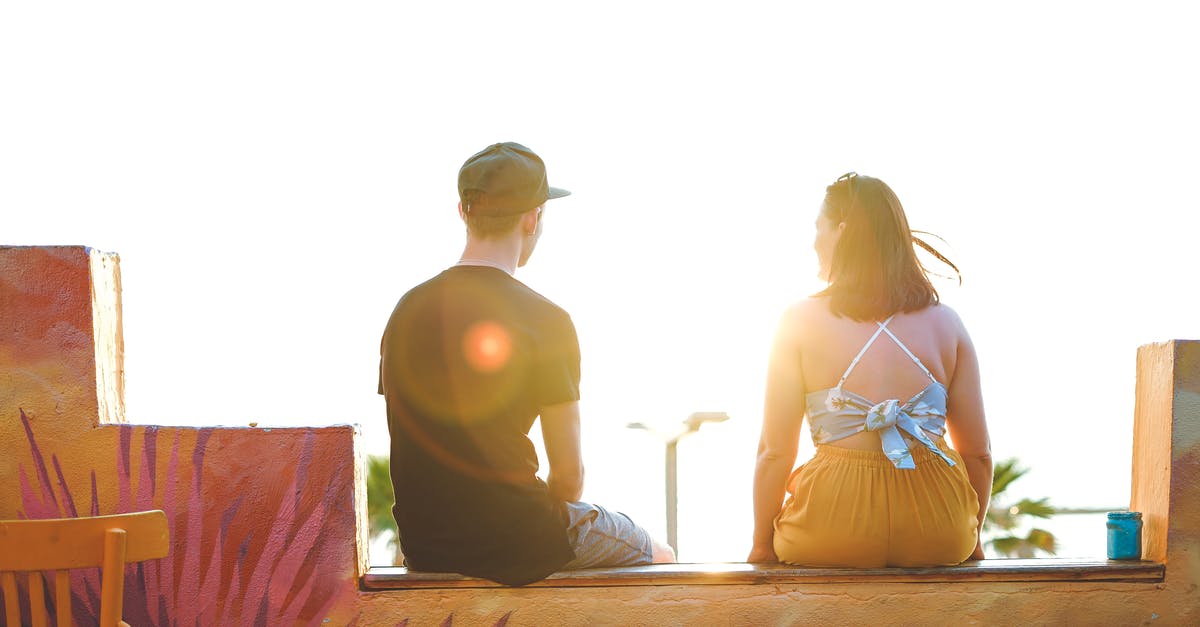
(1050, 569)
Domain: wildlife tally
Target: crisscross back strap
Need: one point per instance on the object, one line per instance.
(906, 351)
(883, 329)
(859, 356)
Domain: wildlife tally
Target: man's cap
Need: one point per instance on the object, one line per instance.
(503, 180)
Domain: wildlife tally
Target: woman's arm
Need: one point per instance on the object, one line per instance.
(967, 425)
(782, 415)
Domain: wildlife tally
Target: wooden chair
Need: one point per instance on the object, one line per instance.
(59, 544)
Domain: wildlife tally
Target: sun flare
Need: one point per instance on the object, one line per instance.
(487, 346)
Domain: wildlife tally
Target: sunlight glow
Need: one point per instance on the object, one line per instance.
(487, 346)
(311, 157)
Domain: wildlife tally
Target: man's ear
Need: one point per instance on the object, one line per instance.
(529, 221)
(461, 215)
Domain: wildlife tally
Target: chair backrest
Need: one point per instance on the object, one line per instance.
(60, 544)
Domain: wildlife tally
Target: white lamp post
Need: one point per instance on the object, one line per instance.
(671, 439)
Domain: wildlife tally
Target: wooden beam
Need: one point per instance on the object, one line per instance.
(996, 570)
(1153, 419)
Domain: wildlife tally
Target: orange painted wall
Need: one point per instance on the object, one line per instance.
(265, 523)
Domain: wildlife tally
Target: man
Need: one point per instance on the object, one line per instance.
(468, 360)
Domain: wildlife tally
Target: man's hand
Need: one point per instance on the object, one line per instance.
(567, 491)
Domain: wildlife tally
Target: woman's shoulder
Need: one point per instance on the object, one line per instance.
(807, 309)
(801, 317)
(952, 317)
(937, 313)
(945, 323)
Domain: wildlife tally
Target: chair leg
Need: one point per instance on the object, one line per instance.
(112, 584)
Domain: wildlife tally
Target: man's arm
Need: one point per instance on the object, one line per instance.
(560, 432)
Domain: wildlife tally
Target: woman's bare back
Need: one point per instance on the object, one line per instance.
(828, 344)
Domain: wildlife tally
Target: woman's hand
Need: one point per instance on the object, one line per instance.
(762, 555)
(977, 554)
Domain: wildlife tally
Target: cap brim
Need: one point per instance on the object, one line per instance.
(557, 192)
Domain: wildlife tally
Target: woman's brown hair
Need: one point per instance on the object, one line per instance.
(875, 272)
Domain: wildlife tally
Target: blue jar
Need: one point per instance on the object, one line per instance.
(1124, 535)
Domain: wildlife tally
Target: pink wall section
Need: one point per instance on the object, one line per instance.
(267, 527)
(262, 521)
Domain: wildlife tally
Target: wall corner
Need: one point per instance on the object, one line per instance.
(108, 335)
(362, 537)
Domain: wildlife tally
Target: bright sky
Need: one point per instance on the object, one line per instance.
(275, 176)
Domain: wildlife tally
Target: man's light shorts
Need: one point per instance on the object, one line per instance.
(603, 538)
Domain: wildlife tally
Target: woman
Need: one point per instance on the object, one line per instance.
(883, 371)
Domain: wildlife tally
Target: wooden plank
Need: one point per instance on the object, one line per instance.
(999, 570)
(112, 578)
(62, 597)
(12, 605)
(1153, 424)
(37, 599)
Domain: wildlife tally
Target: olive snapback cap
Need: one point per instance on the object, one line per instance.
(504, 179)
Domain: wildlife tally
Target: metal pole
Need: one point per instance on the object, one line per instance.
(691, 425)
(672, 497)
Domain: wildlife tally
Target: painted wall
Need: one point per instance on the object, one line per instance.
(267, 526)
(262, 521)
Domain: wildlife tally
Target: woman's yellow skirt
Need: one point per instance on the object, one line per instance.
(850, 508)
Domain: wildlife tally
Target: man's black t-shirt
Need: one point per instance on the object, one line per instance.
(467, 360)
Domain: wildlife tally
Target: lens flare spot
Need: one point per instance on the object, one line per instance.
(487, 346)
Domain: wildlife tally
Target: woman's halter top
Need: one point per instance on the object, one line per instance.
(836, 413)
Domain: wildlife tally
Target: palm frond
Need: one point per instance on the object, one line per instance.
(1039, 508)
(1006, 545)
(380, 497)
(1043, 540)
(1002, 520)
(1004, 473)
